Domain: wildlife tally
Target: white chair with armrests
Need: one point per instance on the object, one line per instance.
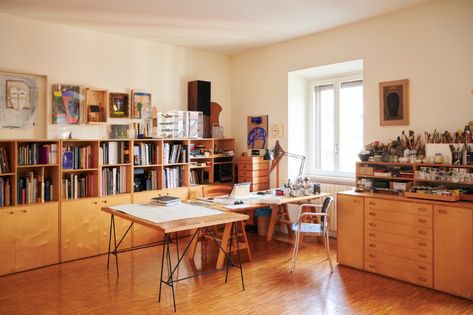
(318, 229)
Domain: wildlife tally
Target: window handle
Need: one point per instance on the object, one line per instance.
(336, 148)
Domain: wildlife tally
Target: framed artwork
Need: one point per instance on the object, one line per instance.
(394, 103)
(119, 105)
(257, 137)
(66, 104)
(140, 105)
(21, 97)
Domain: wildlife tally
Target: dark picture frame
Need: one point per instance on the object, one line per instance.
(119, 105)
(394, 103)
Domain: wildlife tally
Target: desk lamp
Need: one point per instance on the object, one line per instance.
(276, 156)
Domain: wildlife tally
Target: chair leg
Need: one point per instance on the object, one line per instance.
(327, 248)
(295, 251)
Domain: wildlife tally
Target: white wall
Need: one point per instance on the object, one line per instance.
(431, 45)
(70, 55)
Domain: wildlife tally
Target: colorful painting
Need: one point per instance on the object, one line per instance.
(19, 98)
(140, 105)
(257, 132)
(119, 105)
(66, 104)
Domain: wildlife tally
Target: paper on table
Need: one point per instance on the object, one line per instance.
(159, 214)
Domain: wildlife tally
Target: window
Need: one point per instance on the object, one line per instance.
(336, 125)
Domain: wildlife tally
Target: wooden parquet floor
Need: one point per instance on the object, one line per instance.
(86, 287)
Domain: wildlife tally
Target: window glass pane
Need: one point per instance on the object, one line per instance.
(327, 138)
(351, 124)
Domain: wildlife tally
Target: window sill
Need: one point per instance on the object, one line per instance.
(350, 181)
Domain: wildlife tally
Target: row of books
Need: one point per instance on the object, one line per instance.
(5, 192)
(34, 189)
(4, 165)
(199, 177)
(174, 153)
(145, 180)
(145, 154)
(113, 180)
(173, 177)
(114, 152)
(37, 153)
(78, 186)
(74, 157)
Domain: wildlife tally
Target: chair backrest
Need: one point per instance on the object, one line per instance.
(325, 206)
(216, 190)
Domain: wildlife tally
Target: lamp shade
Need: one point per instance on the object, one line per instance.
(268, 156)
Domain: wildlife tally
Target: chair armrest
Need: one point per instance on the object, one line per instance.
(313, 214)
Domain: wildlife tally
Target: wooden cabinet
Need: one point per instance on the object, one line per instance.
(453, 250)
(255, 170)
(350, 231)
(29, 237)
(121, 225)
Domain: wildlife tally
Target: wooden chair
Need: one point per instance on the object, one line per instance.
(215, 191)
(319, 229)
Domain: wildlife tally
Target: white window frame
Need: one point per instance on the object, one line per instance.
(314, 142)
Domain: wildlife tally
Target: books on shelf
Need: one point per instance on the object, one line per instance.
(4, 165)
(173, 177)
(174, 153)
(166, 200)
(113, 180)
(74, 157)
(5, 192)
(76, 186)
(114, 152)
(145, 180)
(199, 177)
(34, 188)
(37, 153)
(145, 154)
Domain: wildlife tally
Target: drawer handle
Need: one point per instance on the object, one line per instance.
(422, 232)
(372, 224)
(372, 234)
(422, 279)
(10, 212)
(372, 245)
(442, 211)
(421, 221)
(422, 244)
(422, 256)
(95, 202)
(421, 267)
(372, 266)
(23, 210)
(372, 256)
(372, 203)
(372, 214)
(104, 201)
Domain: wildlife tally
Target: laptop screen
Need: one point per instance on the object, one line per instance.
(241, 190)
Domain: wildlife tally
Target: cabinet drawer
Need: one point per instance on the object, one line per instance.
(398, 273)
(246, 173)
(258, 187)
(254, 180)
(401, 251)
(253, 166)
(400, 240)
(400, 229)
(399, 262)
(421, 209)
(397, 217)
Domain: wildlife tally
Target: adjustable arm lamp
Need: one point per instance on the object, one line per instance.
(276, 156)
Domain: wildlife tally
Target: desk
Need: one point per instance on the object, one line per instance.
(167, 227)
(279, 209)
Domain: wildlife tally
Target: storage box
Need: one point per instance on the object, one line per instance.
(365, 171)
(402, 186)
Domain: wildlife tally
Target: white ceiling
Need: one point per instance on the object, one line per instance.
(221, 26)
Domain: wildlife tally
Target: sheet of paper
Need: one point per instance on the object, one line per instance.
(159, 214)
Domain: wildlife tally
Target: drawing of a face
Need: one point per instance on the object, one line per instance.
(18, 99)
(18, 95)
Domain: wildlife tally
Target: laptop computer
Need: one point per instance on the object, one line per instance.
(241, 190)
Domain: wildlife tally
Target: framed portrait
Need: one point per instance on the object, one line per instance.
(394, 103)
(140, 105)
(257, 137)
(119, 105)
(22, 100)
(66, 102)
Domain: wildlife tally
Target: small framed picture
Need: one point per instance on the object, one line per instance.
(394, 103)
(119, 105)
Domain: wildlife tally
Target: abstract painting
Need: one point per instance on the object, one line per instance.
(66, 104)
(257, 137)
(140, 105)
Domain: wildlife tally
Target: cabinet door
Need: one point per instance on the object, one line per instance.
(350, 230)
(121, 225)
(79, 228)
(7, 241)
(37, 235)
(453, 250)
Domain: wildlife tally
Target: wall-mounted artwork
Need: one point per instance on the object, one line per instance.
(119, 105)
(140, 105)
(66, 104)
(20, 98)
(394, 103)
(257, 137)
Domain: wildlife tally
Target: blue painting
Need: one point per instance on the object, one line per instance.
(257, 137)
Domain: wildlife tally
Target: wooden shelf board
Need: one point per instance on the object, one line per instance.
(36, 165)
(201, 157)
(119, 164)
(442, 181)
(7, 174)
(386, 177)
(388, 163)
(147, 166)
(175, 164)
(79, 170)
(197, 167)
(443, 165)
(219, 163)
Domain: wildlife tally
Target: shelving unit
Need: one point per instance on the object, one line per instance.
(224, 161)
(201, 162)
